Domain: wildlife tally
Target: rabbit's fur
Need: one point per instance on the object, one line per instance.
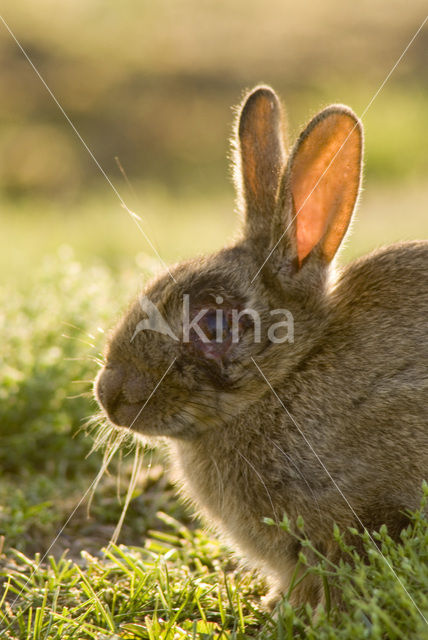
(331, 425)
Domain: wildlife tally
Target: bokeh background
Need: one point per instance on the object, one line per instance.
(153, 85)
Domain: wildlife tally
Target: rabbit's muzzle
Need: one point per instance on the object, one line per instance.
(121, 393)
(108, 389)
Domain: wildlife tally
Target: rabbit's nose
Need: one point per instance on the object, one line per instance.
(108, 386)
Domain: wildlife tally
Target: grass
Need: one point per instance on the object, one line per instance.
(180, 586)
(167, 578)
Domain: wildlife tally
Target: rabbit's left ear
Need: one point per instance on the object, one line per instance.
(260, 159)
(321, 185)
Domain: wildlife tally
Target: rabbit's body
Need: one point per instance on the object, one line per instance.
(328, 421)
(367, 424)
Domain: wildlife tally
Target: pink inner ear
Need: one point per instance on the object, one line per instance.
(311, 220)
(324, 183)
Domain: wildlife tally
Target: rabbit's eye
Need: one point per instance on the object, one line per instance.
(215, 324)
(211, 335)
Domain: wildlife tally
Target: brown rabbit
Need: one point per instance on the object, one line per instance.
(321, 414)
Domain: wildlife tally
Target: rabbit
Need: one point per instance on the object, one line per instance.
(328, 421)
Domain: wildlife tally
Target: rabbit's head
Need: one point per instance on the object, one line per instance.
(182, 360)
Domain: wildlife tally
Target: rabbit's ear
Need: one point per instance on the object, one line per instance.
(322, 182)
(260, 159)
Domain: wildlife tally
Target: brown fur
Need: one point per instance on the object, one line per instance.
(354, 381)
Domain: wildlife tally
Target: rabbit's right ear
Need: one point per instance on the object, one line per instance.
(320, 187)
(260, 158)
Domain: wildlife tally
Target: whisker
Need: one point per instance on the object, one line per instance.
(119, 475)
(136, 470)
(73, 326)
(84, 394)
(208, 406)
(107, 458)
(85, 359)
(193, 417)
(89, 344)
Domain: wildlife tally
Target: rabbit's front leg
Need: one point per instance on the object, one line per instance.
(296, 584)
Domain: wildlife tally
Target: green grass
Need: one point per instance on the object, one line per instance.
(183, 585)
(168, 578)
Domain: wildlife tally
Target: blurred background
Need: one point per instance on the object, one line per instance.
(150, 86)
